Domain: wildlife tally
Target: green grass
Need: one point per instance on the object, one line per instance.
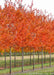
(26, 62)
(18, 69)
(47, 71)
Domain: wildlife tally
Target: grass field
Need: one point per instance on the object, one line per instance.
(46, 71)
(27, 65)
(26, 68)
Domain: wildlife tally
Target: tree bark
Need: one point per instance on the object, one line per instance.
(5, 59)
(30, 57)
(42, 58)
(38, 57)
(10, 61)
(14, 59)
(22, 60)
(50, 58)
(33, 59)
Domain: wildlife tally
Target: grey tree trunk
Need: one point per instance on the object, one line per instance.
(38, 57)
(22, 60)
(14, 59)
(33, 59)
(10, 61)
(42, 58)
(5, 59)
(50, 58)
(30, 57)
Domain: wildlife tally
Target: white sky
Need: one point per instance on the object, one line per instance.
(47, 5)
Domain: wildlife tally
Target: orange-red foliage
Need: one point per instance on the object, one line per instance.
(22, 28)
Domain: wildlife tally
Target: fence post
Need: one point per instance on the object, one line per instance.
(22, 60)
(5, 59)
(50, 57)
(33, 59)
(10, 61)
(42, 58)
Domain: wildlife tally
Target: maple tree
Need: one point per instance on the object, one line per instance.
(20, 27)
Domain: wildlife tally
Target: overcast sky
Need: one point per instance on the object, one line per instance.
(47, 5)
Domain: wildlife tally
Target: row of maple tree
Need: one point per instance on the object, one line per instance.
(23, 28)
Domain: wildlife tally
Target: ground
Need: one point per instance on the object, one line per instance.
(25, 57)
